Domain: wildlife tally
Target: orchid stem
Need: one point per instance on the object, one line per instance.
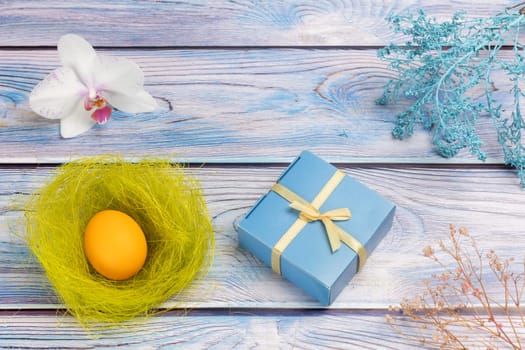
(516, 5)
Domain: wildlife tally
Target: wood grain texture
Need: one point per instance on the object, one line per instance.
(229, 330)
(488, 202)
(233, 106)
(218, 23)
(247, 83)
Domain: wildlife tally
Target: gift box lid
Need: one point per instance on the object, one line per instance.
(308, 260)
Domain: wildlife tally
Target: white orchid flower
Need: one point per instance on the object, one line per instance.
(84, 90)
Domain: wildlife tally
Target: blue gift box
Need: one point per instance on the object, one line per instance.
(307, 259)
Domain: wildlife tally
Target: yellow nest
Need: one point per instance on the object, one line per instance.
(165, 202)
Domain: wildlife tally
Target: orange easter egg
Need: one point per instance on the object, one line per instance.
(115, 245)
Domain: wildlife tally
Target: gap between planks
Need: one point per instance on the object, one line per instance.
(218, 48)
(272, 164)
(246, 311)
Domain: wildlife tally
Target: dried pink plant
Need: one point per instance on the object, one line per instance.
(457, 309)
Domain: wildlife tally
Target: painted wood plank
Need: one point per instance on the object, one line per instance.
(487, 201)
(235, 330)
(218, 23)
(232, 106)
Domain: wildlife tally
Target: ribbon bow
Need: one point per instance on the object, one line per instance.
(309, 213)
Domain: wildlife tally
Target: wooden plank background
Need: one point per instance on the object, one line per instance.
(246, 102)
(151, 23)
(243, 87)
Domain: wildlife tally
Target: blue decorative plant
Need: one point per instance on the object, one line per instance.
(439, 71)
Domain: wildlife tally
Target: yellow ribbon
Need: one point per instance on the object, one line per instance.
(309, 212)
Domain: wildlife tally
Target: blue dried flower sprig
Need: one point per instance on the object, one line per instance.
(439, 70)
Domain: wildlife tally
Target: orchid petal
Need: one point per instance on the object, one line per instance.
(115, 72)
(122, 83)
(101, 116)
(136, 102)
(75, 52)
(78, 122)
(57, 95)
